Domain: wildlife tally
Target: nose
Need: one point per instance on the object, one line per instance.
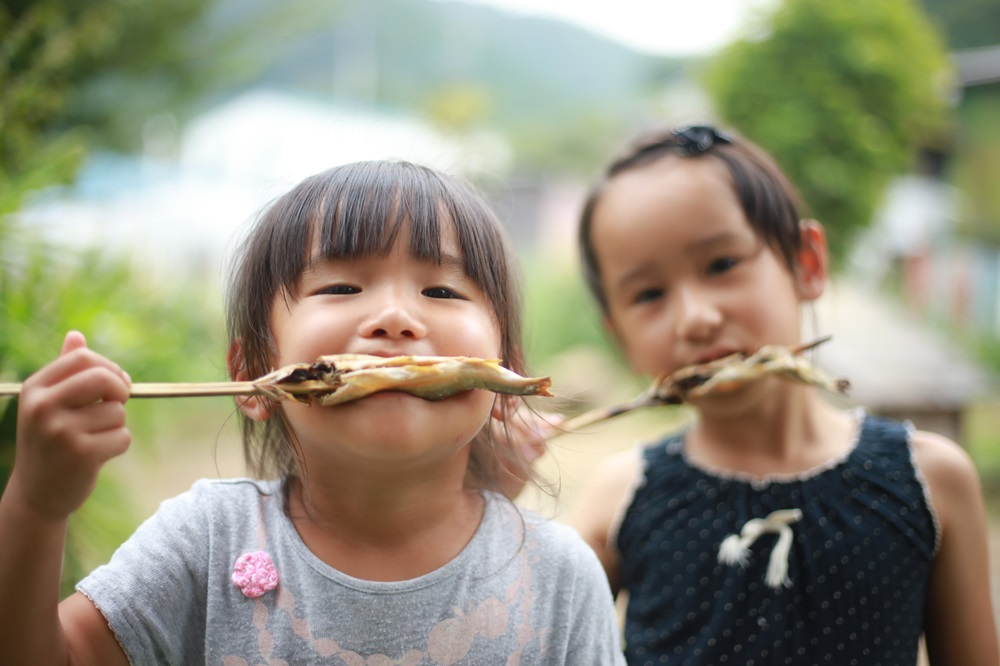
(697, 315)
(394, 318)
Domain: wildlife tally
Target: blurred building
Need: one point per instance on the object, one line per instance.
(937, 233)
(897, 365)
(934, 242)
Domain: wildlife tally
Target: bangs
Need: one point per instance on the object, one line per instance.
(357, 214)
(362, 216)
(358, 210)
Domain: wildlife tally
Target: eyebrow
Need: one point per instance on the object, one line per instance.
(452, 262)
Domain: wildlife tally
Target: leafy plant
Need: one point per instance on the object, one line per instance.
(559, 312)
(842, 94)
(44, 292)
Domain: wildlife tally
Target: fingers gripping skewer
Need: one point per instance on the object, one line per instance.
(336, 379)
(726, 373)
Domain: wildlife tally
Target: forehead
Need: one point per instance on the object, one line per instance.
(668, 206)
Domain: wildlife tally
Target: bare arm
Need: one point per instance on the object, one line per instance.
(600, 503)
(960, 626)
(71, 420)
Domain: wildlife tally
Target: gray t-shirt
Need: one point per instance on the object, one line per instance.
(524, 591)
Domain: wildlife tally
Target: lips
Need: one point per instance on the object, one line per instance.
(715, 355)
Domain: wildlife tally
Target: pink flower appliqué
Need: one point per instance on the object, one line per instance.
(254, 574)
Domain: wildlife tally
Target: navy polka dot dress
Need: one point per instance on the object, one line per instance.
(849, 584)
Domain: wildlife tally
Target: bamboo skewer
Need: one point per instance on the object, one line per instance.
(336, 379)
(341, 378)
(671, 389)
(167, 390)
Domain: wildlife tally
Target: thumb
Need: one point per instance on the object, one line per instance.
(73, 340)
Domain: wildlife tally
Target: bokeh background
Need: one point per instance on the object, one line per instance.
(136, 138)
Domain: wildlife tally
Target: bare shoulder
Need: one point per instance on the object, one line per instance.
(959, 625)
(606, 489)
(949, 470)
(601, 502)
(619, 470)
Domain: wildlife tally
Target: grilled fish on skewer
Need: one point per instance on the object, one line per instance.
(768, 360)
(333, 380)
(341, 378)
(725, 373)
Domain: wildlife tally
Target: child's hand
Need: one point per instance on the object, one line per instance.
(531, 430)
(525, 432)
(70, 421)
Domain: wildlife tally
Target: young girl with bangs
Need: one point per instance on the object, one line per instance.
(775, 529)
(374, 532)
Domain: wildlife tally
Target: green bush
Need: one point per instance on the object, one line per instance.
(155, 336)
(842, 94)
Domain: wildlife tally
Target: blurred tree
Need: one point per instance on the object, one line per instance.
(44, 291)
(80, 70)
(975, 169)
(842, 94)
(576, 145)
(76, 73)
(459, 107)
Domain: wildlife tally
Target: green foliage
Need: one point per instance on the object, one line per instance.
(981, 426)
(577, 145)
(559, 312)
(43, 293)
(976, 169)
(459, 106)
(842, 94)
(78, 71)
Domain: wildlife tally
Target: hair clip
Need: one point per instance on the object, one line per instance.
(698, 139)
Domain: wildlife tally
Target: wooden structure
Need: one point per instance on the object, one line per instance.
(897, 365)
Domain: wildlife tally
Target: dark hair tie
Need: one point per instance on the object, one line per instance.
(698, 139)
(685, 140)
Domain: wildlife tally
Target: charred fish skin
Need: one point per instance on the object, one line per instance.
(336, 379)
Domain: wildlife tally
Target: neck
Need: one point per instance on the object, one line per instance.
(793, 429)
(387, 526)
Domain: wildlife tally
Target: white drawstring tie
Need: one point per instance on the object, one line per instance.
(735, 548)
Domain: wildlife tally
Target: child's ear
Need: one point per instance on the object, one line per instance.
(256, 407)
(813, 261)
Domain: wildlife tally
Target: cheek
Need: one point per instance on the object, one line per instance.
(644, 341)
(308, 334)
(480, 335)
(622, 331)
